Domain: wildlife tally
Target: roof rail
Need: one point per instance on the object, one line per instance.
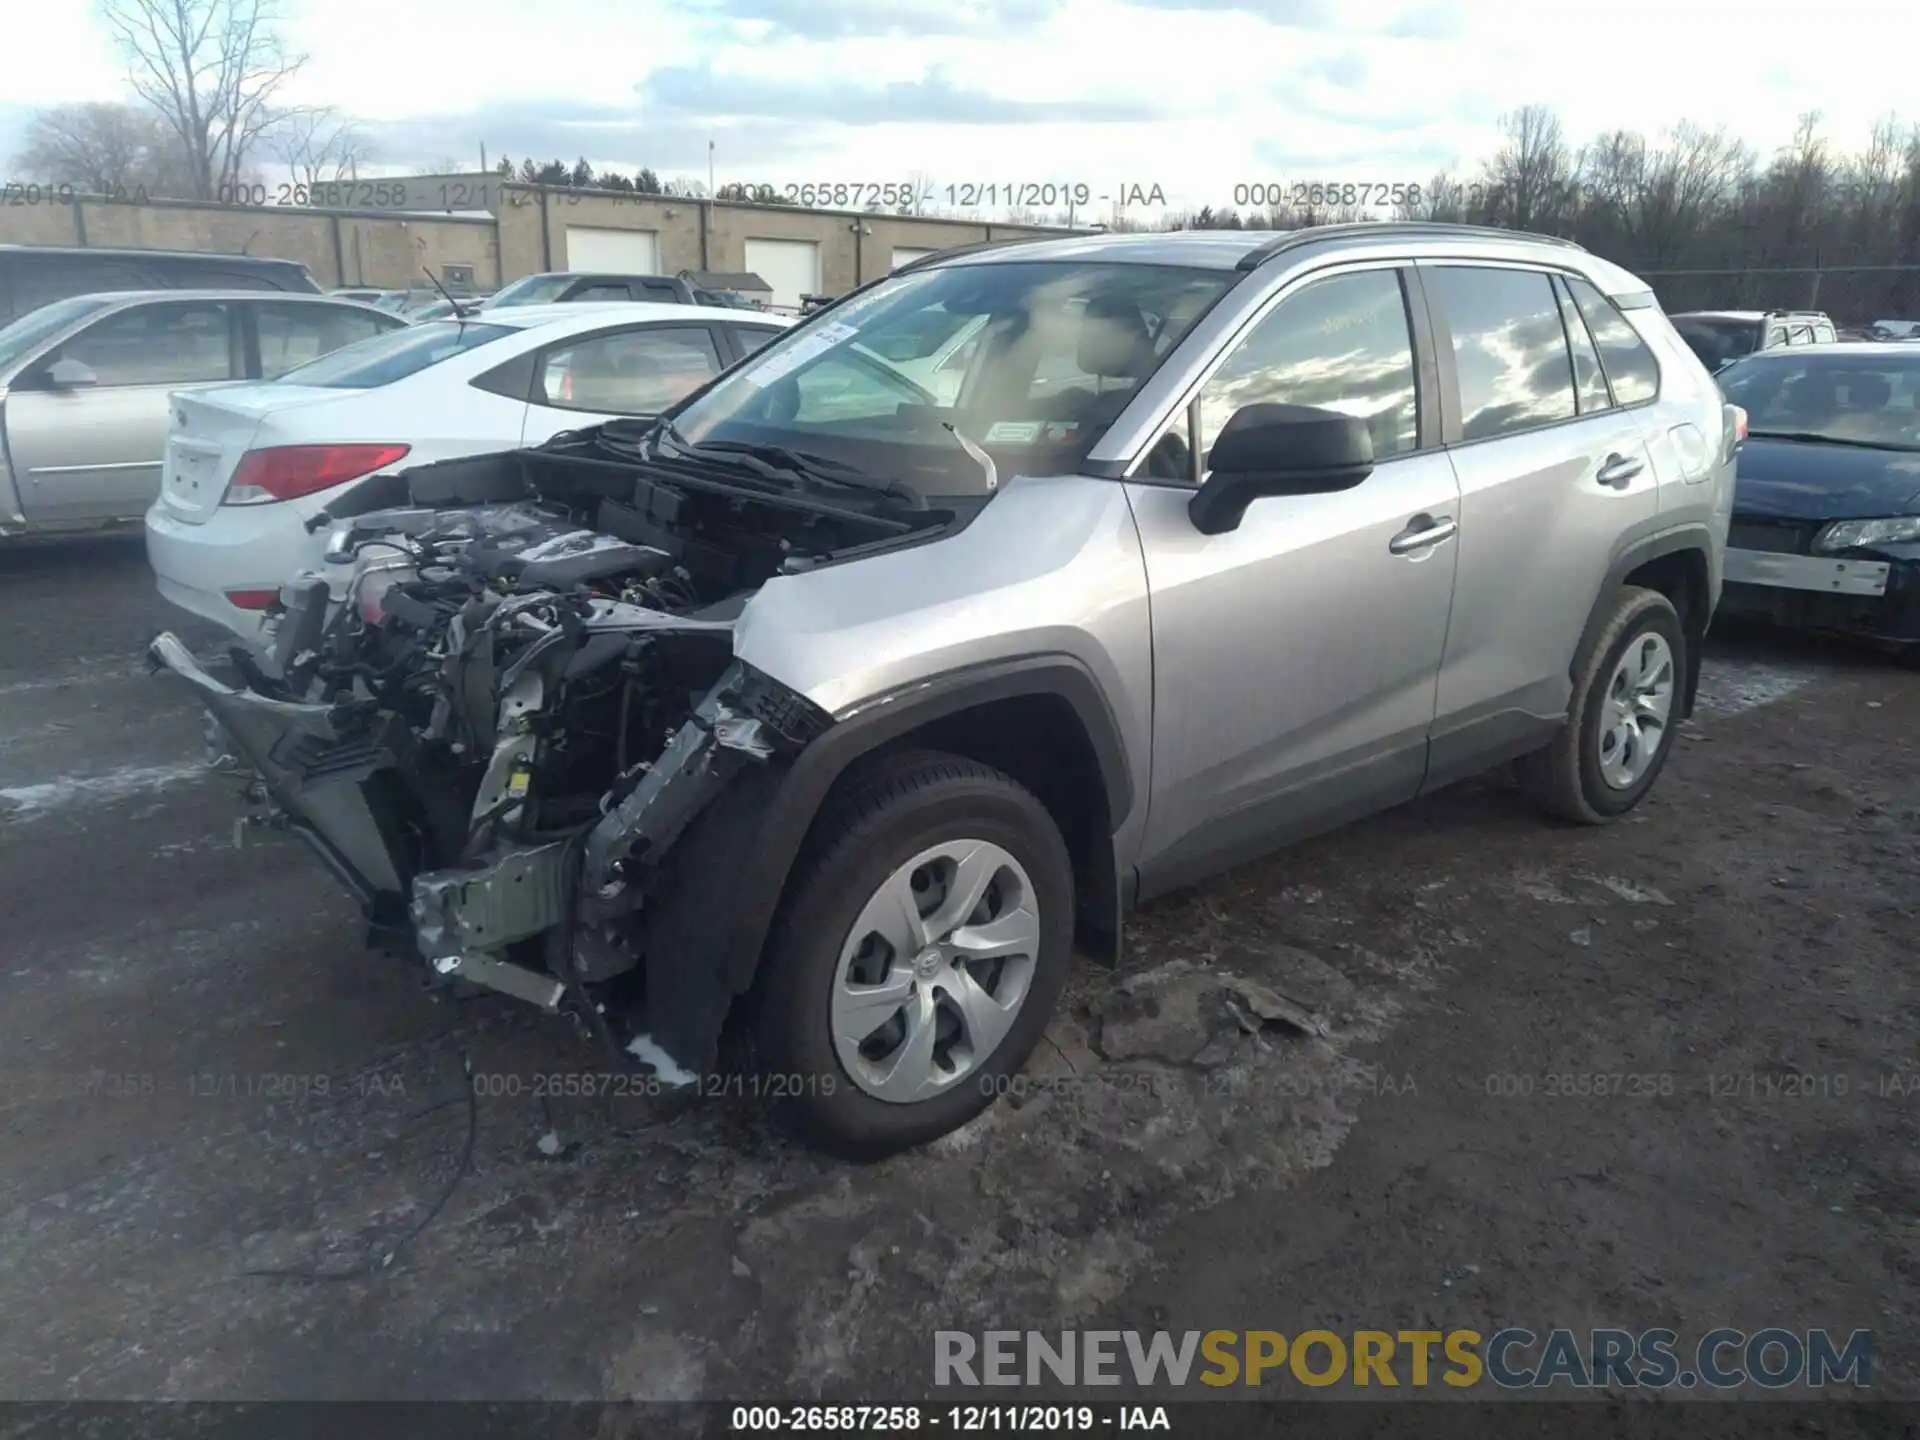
(1411, 229)
(938, 255)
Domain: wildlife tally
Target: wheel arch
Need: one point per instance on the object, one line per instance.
(1674, 563)
(1043, 720)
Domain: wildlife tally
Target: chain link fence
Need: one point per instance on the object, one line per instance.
(1854, 290)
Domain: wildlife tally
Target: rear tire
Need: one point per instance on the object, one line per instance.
(1610, 751)
(864, 1019)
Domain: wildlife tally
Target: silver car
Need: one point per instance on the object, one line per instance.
(848, 707)
(84, 383)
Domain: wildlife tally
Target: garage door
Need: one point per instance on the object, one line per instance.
(790, 267)
(624, 252)
(901, 255)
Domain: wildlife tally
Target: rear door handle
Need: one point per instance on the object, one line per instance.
(1619, 471)
(1423, 534)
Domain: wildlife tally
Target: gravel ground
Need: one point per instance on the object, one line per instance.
(238, 1157)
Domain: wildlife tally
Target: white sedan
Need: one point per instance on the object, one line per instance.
(248, 465)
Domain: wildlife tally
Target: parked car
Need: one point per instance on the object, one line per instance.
(1720, 337)
(390, 300)
(36, 275)
(437, 308)
(248, 465)
(84, 387)
(1894, 330)
(572, 287)
(845, 712)
(1826, 516)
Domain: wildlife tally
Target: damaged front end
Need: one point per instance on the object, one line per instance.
(510, 721)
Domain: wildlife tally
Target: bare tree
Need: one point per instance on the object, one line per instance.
(1530, 179)
(211, 69)
(103, 149)
(318, 145)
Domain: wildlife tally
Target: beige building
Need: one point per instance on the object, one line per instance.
(480, 231)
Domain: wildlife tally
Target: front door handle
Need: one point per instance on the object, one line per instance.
(1619, 470)
(1423, 533)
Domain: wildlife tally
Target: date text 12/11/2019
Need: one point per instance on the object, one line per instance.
(972, 194)
(954, 1419)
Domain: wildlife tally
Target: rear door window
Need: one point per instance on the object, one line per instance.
(629, 372)
(160, 344)
(1589, 379)
(1509, 349)
(751, 337)
(1632, 372)
(1800, 335)
(291, 334)
(369, 364)
(40, 281)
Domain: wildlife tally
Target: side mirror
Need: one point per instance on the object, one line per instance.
(1279, 450)
(70, 375)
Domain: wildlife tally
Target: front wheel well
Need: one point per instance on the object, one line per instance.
(1681, 576)
(1039, 741)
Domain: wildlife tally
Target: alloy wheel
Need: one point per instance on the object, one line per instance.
(1637, 711)
(934, 971)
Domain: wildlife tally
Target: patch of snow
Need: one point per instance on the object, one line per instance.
(25, 802)
(1730, 687)
(644, 1049)
(1632, 893)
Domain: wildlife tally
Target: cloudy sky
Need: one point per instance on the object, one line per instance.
(1194, 96)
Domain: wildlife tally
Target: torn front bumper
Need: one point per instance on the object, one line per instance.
(313, 770)
(334, 784)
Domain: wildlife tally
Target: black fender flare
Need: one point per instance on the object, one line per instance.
(864, 728)
(1694, 535)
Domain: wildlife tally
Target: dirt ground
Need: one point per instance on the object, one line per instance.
(215, 1101)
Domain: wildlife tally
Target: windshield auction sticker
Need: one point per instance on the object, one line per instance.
(784, 362)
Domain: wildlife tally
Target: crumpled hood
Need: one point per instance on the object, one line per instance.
(1797, 480)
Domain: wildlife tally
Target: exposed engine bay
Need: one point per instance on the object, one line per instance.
(509, 719)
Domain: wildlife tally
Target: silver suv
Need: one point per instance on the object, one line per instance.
(832, 713)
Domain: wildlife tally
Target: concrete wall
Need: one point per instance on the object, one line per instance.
(526, 235)
(339, 247)
(713, 234)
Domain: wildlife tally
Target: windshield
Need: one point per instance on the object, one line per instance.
(529, 290)
(394, 355)
(1829, 397)
(1030, 360)
(21, 337)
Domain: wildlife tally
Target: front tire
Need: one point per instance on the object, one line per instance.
(1625, 707)
(921, 948)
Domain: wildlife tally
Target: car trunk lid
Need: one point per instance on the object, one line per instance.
(209, 430)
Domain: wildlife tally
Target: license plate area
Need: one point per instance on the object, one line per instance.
(191, 471)
(1808, 572)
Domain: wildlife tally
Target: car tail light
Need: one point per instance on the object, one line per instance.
(252, 599)
(286, 472)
